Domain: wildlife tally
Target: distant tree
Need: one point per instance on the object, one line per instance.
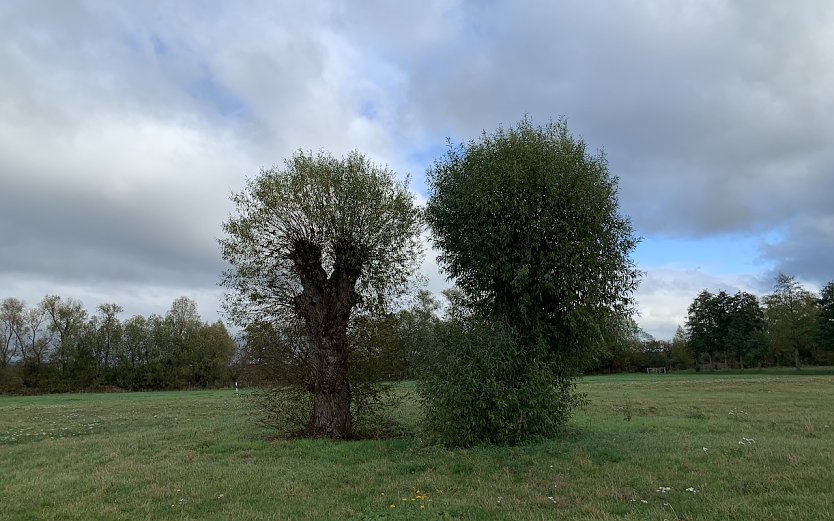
(183, 317)
(624, 348)
(679, 355)
(792, 318)
(36, 343)
(66, 320)
(729, 324)
(182, 325)
(161, 369)
(211, 351)
(109, 334)
(746, 331)
(133, 354)
(529, 229)
(456, 306)
(415, 328)
(266, 356)
(11, 326)
(825, 321)
(320, 241)
(707, 325)
(654, 352)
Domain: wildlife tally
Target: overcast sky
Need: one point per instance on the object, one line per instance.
(125, 126)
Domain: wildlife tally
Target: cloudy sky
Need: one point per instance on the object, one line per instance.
(124, 127)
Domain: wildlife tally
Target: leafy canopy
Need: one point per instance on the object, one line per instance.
(530, 232)
(335, 205)
(529, 228)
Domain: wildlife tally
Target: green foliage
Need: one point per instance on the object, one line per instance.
(705, 324)
(627, 348)
(337, 206)
(62, 348)
(679, 356)
(530, 231)
(729, 324)
(746, 334)
(276, 362)
(792, 320)
(316, 247)
(480, 384)
(825, 321)
(413, 328)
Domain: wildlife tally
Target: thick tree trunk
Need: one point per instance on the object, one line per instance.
(796, 358)
(330, 387)
(325, 305)
(327, 378)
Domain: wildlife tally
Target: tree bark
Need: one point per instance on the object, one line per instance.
(326, 304)
(331, 415)
(796, 358)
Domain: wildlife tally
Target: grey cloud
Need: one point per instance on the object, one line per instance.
(716, 116)
(123, 127)
(806, 251)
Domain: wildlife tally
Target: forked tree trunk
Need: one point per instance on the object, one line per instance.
(326, 304)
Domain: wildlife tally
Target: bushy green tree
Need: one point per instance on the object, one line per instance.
(529, 229)
(791, 312)
(481, 383)
(707, 325)
(319, 242)
(210, 350)
(729, 324)
(746, 336)
(825, 321)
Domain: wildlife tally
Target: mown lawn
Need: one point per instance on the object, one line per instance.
(754, 446)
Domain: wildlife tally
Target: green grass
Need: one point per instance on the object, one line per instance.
(198, 455)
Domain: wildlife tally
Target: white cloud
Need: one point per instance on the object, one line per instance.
(666, 292)
(124, 126)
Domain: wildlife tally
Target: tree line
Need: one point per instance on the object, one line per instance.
(57, 345)
(791, 326)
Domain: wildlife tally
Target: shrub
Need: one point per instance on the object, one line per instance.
(479, 384)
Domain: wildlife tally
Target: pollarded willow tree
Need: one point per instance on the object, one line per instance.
(319, 242)
(529, 227)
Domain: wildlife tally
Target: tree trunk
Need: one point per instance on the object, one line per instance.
(331, 416)
(741, 362)
(326, 304)
(796, 358)
(328, 372)
(711, 362)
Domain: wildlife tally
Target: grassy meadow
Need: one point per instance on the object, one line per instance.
(678, 446)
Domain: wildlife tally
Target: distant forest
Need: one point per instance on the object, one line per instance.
(58, 346)
(791, 326)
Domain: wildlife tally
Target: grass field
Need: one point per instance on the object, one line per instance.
(758, 446)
